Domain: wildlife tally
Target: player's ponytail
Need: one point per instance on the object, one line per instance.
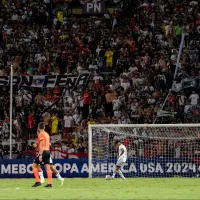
(116, 142)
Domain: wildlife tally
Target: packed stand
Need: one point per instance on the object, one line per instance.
(139, 54)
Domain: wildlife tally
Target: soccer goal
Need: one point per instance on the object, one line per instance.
(156, 150)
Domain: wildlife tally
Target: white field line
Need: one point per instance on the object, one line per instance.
(58, 189)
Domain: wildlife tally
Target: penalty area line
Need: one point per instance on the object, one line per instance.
(57, 188)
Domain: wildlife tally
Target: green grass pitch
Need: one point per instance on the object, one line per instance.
(133, 188)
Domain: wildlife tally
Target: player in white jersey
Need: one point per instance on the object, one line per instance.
(122, 157)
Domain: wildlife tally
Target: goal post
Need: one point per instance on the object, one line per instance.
(154, 150)
(90, 151)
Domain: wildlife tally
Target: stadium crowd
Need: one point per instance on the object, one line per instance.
(138, 54)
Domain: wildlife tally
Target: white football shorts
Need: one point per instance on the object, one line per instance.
(121, 162)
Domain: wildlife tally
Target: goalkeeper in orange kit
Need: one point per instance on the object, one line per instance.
(53, 169)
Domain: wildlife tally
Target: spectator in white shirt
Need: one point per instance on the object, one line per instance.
(116, 104)
(71, 149)
(77, 117)
(64, 147)
(68, 122)
(15, 17)
(8, 29)
(97, 77)
(27, 97)
(181, 99)
(194, 97)
(125, 84)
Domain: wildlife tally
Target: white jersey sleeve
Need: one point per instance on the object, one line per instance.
(123, 149)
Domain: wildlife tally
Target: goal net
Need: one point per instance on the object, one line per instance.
(157, 150)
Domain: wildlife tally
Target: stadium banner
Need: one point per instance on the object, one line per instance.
(46, 81)
(94, 8)
(50, 81)
(192, 110)
(85, 1)
(135, 167)
(185, 84)
(57, 154)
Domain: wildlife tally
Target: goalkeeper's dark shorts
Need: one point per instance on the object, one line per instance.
(46, 158)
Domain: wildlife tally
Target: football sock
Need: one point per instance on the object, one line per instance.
(114, 173)
(121, 174)
(36, 174)
(59, 176)
(41, 175)
(49, 175)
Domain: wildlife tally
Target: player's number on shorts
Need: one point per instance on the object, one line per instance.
(180, 167)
